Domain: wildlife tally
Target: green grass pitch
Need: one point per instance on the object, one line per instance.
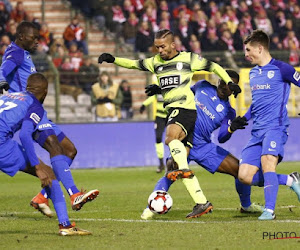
(114, 217)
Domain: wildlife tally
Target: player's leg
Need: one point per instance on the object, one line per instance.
(160, 124)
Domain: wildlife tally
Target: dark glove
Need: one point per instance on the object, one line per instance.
(238, 123)
(105, 57)
(103, 100)
(106, 99)
(142, 109)
(3, 85)
(234, 88)
(152, 89)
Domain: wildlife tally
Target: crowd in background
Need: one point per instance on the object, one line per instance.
(198, 26)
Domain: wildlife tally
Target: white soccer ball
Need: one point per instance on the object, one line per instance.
(160, 202)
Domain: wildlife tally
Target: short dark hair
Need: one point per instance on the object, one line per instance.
(23, 27)
(163, 33)
(37, 77)
(260, 37)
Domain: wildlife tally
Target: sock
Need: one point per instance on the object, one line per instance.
(44, 193)
(258, 179)
(63, 173)
(56, 195)
(68, 160)
(270, 189)
(159, 150)
(163, 184)
(285, 180)
(194, 189)
(179, 154)
(244, 192)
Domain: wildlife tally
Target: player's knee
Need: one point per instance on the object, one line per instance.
(244, 178)
(70, 151)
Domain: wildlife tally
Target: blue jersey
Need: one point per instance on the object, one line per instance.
(212, 113)
(16, 67)
(270, 87)
(20, 110)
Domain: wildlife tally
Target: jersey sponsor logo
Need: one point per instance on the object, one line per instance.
(214, 98)
(260, 86)
(273, 144)
(167, 82)
(46, 125)
(179, 66)
(35, 118)
(220, 108)
(32, 69)
(205, 110)
(271, 74)
(271, 149)
(296, 76)
(175, 151)
(160, 68)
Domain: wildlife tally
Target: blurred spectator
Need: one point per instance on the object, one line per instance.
(294, 53)
(239, 36)
(118, 20)
(58, 51)
(4, 42)
(199, 23)
(211, 9)
(275, 43)
(230, 18)
(130, 28)
(46, 35)
(68, 79)
(75, 56)
(128, 8)
(262, 22)
(178, 44)
(247, 19)
(187, 13)
(75, 33)
(226, 42)
(4, 17)
(144, 38)
(211, 43)
(164, 20)
(290, 37)
(243, 8)
(184, 30)
(12, 30)
(19, 13)
(102, 13)
(163, 7)
(88, 75)
(7, 5)
(126, 105)
(103, 94)
(33, 19)
(150, 15)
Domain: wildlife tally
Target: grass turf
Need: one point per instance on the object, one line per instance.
(114, 217)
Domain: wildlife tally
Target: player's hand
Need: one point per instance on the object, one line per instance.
(238, 123)
(152, 89)
(45, 174)
(106, 57)
(142, 109)
(234, 88)
(3, 86)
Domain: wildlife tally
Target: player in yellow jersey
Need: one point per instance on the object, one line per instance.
(159, 126)
(174, 71)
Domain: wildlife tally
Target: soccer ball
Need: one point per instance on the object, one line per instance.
(160, 202)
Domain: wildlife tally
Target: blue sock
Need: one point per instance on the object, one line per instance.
(44, 193)
(282, 179)
(270, 189)
(68, 160)
(258, 179)
(244, 192)
(63, 173)
(56, 195)
(163, 184)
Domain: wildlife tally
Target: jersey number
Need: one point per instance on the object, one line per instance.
(6, 105)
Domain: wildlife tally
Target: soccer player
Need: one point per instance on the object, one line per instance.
(174, 71)
(159, 126)
(213, 111)
(270, 82)
(23, 110)
(16, 67)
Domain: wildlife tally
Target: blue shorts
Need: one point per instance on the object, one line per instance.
(270, 142)
(12, 157)
(46, 128)
(208, 155)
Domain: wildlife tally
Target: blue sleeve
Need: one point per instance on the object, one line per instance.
(27, 142)
(6, 68)
(197, 85)
(224, 135)
(248, 115)
(289, 74)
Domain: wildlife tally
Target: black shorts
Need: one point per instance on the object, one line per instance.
(186, 119)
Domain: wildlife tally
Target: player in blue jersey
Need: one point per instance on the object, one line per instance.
(23, 111)
(16, 67)
(270, 83)
(213, 111)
